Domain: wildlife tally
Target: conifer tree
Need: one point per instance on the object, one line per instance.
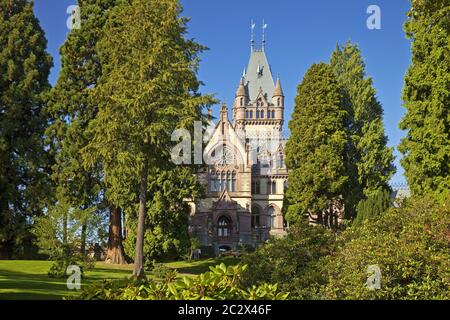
(369, 156)
(149, 88)
(24, 70)
(72, 112)
(316, 149)
(426, 96)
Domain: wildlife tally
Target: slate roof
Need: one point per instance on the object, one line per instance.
(258, 75)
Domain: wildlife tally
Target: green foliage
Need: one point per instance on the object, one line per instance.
(369, 159)
(410, 246)
(166, 235)
(293, 262)
(373, 206)
(220, 283)
(57, 237)
(24, 164)
(315, 151)
(426, 96)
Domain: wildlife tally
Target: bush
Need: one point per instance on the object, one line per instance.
(410, 245)
(373, 206)
(220, 283)
(292, 262)
(64, 257)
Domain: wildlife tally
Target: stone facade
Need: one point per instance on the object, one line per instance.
(246, 175)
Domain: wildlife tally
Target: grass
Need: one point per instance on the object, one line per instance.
(28, 279)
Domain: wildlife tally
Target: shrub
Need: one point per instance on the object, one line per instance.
(409, 244)
(220, 283)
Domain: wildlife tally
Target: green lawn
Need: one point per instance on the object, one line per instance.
(24, 279)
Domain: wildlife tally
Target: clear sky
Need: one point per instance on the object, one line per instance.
(299, 33)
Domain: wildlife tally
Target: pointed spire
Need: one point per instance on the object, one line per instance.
(241, 89)
(278, 90)
(252, 39)
(264, 26)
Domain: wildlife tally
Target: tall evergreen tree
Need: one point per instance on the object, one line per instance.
(149, 88)
(24, 69)
(316, 149)
(426, 96)
(72, 112)
(369, 157)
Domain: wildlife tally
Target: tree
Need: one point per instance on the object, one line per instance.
(72, 111)
(24, 164)
(149, 88)
(426, 96)
(409, 246)
(369, 157)
(166, 223)
(316, 149)
(371, 208)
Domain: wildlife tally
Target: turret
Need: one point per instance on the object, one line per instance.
(278, 100)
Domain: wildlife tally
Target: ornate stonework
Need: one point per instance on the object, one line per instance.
(246, 175)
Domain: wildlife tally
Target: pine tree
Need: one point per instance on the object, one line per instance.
(316, 149)
(72, 112)
(369, 157)
(426, 96)
(24, 70)
(149, 88)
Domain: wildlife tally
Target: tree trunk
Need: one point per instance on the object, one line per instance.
(83, 238)
(115, 253)
(139, 258)
(4, 250)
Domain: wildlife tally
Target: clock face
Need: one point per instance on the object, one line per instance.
(223, 158)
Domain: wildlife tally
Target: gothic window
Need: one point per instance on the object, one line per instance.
(256, 187)
(233, 182)
(256, 214)
(222, 181)
(242, 102)
(217, 182)
(278, 102)
(273, 187)
(272, 217)
(212, 182)
(251, 114)
(228, 181)
(223, 227)
(246, 114)
(273, 114)
(280, 161)
(262, 114)
(257, 114)
(268, 114)
(269, 187)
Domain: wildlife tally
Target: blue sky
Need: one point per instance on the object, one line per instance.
(299, 34)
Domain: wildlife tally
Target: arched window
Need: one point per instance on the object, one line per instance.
(222, 181)
(233, 182)
(251, 114)
(246, 114)
(217, 182)
(229, 181)
(274, 187)
(262, 114)
(257, 114)
(256, 214)
(242, 102)
(212, 182)
(278, 102)
(268, 114)
(273, 114)
(272, 217)
(223, 227)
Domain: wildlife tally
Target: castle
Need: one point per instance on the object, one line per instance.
(246, 174)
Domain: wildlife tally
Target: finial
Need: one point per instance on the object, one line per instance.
(264, 27)
(252, 39)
